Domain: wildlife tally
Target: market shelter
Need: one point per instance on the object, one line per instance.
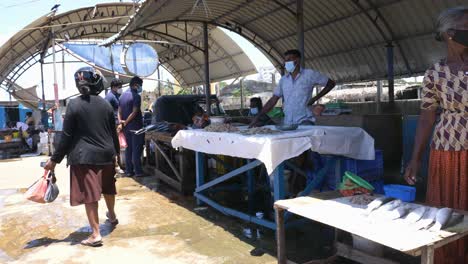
(178, 46)
(350, 40)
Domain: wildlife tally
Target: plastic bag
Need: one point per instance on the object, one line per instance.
(37, 190)
(353, 184)
(52, 189)
(122, 140)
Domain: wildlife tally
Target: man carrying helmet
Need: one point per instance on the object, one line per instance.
(91, 145)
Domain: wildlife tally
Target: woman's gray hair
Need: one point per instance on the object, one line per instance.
(449, 19)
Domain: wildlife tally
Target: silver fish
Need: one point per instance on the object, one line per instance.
(427, 219)
(415, 214)
(390, 205)
(441, 219)
(455, 219)
(395, 213)
(377, 203)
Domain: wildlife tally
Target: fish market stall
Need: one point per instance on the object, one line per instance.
(266, 146)
(174, 167)
(413, 229)
(172, 113)
(11, 144)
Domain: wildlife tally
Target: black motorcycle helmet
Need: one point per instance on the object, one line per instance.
(89, 81)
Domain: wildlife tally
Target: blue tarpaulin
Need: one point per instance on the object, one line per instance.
(140, 59)
(101, 56)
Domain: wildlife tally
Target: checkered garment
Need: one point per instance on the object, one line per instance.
(448, 90)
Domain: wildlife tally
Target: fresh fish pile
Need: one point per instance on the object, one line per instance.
(221, 128)
(259, 131)
(377, 203)
(361, 199)
(416, 217)
(442, 217)
(415, 214)
(427, 219)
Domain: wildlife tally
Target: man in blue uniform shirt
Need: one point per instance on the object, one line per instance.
(113, 96)
(131, 119)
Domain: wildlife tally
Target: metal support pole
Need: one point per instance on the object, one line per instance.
(159, 81)
(56, 94)
(241, 83)
(200, 171)
(42, 83)
(390, 73)
(300, 28)
(379, 96)
(63, 71)
(207, 68)
(251, 190)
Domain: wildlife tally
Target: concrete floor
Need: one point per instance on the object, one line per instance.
(155, 226)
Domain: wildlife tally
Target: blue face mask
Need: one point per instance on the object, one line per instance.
(254, 111)
(289, 66)
(139, 89)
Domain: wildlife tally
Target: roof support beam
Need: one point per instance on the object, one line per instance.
(286, 7)
(207, 68)
(260, 43)
(390, 73)
(156, 32)
(387, 27)
(300, 29)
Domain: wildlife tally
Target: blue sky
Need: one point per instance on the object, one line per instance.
(17, 14)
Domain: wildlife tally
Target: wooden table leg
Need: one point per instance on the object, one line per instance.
(280, 236)
(427, 256)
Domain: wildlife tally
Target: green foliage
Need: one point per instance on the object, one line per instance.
(237, 92)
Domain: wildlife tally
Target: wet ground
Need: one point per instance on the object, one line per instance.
(157, 225)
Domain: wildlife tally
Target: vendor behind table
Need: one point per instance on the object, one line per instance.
(296, 87)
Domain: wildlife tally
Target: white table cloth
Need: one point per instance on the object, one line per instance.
(273, 149)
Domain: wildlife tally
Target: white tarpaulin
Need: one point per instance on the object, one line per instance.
(273, 149)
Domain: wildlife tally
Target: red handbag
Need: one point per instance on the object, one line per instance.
(38, 189)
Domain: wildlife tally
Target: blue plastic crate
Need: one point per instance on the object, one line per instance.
(369, 170)
(402, 192)
(378, 186)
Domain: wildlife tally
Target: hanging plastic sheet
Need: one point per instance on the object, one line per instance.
(141, 59)
(101, 56)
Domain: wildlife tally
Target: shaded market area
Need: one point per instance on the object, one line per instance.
(310, 159)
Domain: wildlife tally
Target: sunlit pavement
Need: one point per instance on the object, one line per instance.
(155, 226)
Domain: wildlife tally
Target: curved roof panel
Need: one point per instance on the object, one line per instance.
(183, 59)
(345, 39)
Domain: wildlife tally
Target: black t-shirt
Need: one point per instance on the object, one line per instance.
(89, 133)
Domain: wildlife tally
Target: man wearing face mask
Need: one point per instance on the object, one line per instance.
(113, 96)
(256, 107)
(295, 87)
(131, 119)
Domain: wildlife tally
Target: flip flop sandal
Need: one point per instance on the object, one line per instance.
(112, 222)
(88, 243)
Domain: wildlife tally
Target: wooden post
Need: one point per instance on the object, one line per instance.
(427, 256)
(280, 235)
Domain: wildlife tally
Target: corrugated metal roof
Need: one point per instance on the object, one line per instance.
(345, 39)
(184, 61)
